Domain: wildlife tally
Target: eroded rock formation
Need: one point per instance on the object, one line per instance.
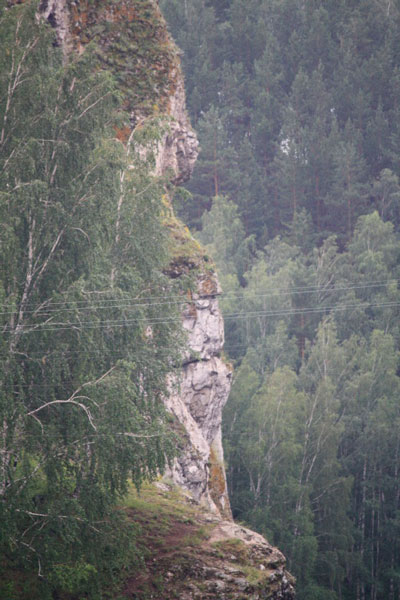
(178, 150)
(198, 401)
(204, 387)
(58, 15)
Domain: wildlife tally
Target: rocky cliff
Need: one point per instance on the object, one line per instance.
(198, 399)
(132, 41)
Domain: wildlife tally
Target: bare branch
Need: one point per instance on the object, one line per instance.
(32, 413)
(73, 400)
(139, 435)
(97, 380)
(83, 232)
(47, 516)
(35, 551)
(89, 107)
(40, 423)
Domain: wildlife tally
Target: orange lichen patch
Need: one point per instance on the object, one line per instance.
(131, 40)
(191, 311)
(209, 286)
(122, 133)
(123, 11)
(79, 16)
(217, 484)
(217, 479)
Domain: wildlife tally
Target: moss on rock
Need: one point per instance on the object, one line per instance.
(131, 41)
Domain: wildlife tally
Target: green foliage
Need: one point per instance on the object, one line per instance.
(295, 106)
(85, 344)
(309, 476)
(223, 237)
(309, 331)
(72, 578)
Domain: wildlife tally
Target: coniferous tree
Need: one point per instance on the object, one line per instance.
(308, 116)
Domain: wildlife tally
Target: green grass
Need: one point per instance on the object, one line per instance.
(233, 547)
(197, 538)
(157, 504)
(254, 576)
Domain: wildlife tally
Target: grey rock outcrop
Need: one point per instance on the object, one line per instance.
(198, 399)
(57, 13)
(233, 563)
(204, 386)
(178, 150)
(204, 557)
(198, 396)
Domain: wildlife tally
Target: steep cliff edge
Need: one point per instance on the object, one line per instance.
(131, 40)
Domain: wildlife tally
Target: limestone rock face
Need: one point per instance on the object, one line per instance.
(198, 399)
(233, 556)
(178, 150)
(57, 13)
(197, 404)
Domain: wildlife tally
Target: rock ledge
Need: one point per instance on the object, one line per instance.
(201, 556)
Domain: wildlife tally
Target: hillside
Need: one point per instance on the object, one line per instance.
(191, 553)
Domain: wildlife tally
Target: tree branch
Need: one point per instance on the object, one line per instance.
(73, 400)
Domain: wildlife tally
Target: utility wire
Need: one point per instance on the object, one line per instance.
(257, 314)
(160, 300)
(62, 326)
(65, 354)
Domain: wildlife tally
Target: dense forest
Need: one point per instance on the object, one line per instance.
(296, 196)
(89, 328)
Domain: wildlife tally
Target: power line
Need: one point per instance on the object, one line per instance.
(64, 354)
(62, 326)
(299, 311)
(166, 348)
(162, 301)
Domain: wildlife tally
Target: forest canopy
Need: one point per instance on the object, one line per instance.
(296, 196)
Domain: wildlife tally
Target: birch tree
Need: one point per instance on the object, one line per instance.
(82, 382)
